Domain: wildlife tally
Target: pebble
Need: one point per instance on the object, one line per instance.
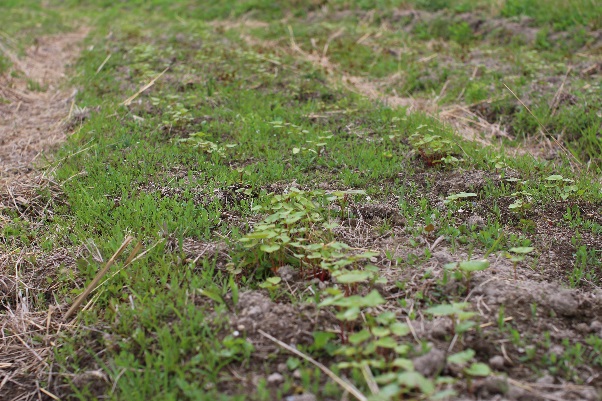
(497, 362)
(596, 327)
(443, 257)
(475, 221)
(288, 273)
(430, 363)
(275, 378)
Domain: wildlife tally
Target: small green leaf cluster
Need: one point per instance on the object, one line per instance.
(522, 202)
(564, 186)
(517, 255)
(457, 313)
(176, 116)
(297, 231)
(198, 141)
(434, 149)
(475, 369)
(459, 197)
(380, 346)
(467, 267)
(316, 147)
(462, 34)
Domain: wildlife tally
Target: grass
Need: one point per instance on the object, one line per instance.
(237, 117)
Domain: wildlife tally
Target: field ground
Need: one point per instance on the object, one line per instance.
(301, 200)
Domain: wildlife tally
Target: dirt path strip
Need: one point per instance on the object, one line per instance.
(31, 120)
(33, 113)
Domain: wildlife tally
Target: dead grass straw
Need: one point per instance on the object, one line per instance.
(130, 99)
(100, 275)
(344, 384)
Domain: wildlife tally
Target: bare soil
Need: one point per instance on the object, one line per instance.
(37, 104)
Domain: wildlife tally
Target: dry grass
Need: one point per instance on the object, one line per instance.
(32, 123)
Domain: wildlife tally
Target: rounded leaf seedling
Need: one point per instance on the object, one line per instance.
(468, 267)
(517, 255)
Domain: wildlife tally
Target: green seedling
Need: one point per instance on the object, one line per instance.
(242, 171)
(564, 186)
(517, 255)
(342, 198)
(522, 203)
(498, 163)
(198, 141)
(460, 197)
(467, 268)
(455, 311)
(462, 34)
(396, 385)
(349, 307)
(433, 148)
(272, 284)
(475, 369)
(315, 147)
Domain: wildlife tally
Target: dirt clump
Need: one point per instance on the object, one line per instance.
(292, 324)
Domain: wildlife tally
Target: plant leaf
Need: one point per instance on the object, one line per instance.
(478, 369)
(474, 265)
(461, 358)
(522, 249)
(269, 248)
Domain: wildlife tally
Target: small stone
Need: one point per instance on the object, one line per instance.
(497, 362)
(430, 363)
(596, 327)
(255, 379)
(443, 257)
(282, 367)
(475, 221)
(253, 311)
(288, 273)
(582, 328)
(440, 329)
(275, 378)
(297, 374)
(589, 394)
(516, 393)
(557, 350)
(301, 397)
(564, 303)
(491, 386)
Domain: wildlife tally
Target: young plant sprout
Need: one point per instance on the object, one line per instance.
(455, 311)
(564, 186)
(461, 195)
(522, 203)
(475, 369)
(468, 267)
(520, 253)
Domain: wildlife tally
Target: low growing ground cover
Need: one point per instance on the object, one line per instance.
(303, 200)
